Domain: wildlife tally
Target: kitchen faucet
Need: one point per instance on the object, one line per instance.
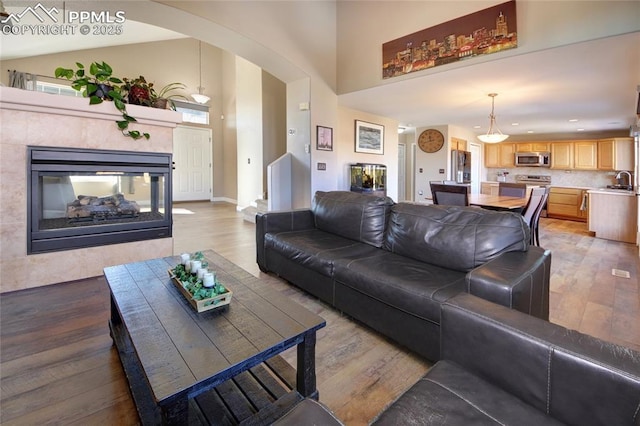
(619, 176)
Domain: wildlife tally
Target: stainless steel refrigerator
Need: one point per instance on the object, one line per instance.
(461, 166)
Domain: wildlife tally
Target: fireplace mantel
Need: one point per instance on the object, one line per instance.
(38, 119)
(38, 102)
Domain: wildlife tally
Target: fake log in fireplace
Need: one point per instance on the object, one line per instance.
(84, 198)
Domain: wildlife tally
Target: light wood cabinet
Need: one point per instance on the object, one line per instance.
(507, 155)
(567, 203)
(613, 216)
(459, 144)
(562, 155)
(499, 155)
(585, 155)
(532, 147)
(489, 188)
(491, 155)
(615, 154)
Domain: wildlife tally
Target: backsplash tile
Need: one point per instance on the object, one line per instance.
(576, 178)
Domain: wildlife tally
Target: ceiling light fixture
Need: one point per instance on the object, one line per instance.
(200, 97)
(493, 136)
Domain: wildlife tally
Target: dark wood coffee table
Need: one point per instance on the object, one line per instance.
(172, 354)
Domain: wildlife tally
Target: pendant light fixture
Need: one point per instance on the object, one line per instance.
(200, 97)
(493, 135)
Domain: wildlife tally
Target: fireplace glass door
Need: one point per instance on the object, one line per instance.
(84, 198)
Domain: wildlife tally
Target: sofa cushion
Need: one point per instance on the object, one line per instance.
(578, 379)
(406, 284)
(459, 238)
(352, 215)
(315, 249)
(449, 395)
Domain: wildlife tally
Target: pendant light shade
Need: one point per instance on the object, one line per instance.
(493, 135)
(200, 97)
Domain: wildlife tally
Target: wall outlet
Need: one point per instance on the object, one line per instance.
(322, 166)
(441, 171)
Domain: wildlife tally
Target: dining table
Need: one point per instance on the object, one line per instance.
(498, 202)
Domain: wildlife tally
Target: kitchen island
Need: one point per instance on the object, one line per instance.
(613, 214)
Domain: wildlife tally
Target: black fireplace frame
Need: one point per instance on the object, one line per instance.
(55, 159)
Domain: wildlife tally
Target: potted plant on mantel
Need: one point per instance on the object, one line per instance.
(163, 98)
(99, 85)
(140, 92)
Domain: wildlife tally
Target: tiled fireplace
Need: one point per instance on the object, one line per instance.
(89, 198)
(53, 236)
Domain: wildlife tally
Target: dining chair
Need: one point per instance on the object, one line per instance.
(449, 195)
(536, 218)
(512, 189)
(532, 211)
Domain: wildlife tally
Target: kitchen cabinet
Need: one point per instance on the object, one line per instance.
(612, 215)
(499, 155)
(532, 147)
(459, 144)
(585, 155)
(489, 188)
(562, 155)
(567, 203)
(615, 154)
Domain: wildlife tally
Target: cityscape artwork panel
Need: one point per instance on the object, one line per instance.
(481, 33)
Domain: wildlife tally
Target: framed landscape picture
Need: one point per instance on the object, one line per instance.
(324, 138)
(369, 138)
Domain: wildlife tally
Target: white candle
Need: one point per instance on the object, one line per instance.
(201, 273)
(195, 265)
(185, 257)
(208, 280)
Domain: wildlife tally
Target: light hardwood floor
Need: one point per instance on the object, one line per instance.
(57, 364)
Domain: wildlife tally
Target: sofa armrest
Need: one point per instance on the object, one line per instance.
(575, 378)
(518, 280)
(274, 222)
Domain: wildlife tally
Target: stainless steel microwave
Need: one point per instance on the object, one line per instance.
(533, 159)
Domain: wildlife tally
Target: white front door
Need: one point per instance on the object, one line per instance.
(192, 157)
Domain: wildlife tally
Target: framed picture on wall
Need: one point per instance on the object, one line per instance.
(369, 138)
(324, 138)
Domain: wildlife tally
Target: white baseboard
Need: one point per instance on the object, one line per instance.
(225, 199)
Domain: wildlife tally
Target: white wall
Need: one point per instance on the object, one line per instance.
(298, 141)
(249, 130)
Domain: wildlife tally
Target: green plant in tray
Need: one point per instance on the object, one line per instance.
(194, 285)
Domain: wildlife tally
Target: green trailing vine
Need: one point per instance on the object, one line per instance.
(99, 84)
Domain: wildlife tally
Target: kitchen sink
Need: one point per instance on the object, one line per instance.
(624, 187)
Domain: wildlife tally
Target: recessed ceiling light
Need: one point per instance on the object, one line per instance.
(580, 130)
(515, 124)
(530, 131)
(476, 127)
(573, 120)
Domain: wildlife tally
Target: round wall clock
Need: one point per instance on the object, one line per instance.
(430, 140)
